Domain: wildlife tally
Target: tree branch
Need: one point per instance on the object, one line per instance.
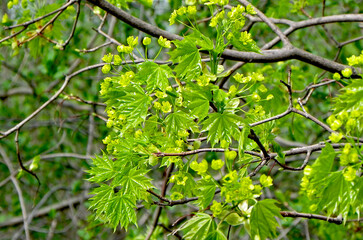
(337, 220)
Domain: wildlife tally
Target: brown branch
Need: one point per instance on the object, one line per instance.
(182, 154)
(306, 161)
(73, 27)
(265, 57)
(255, 138)
(272, 25)
(170, 202)
(25, 24)
(20, 161)
(158, 210)
(45, 211)
(337, 220)
(23, 218)
(50, 100)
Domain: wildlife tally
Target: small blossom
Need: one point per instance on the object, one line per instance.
(163, 42)
(347, 72)
(107, 58)
(157, 105)
(192, 10)
(250, 9)
(349, 174)
(106, 68)
(217, 164)
(335, 137)
(176, 196)
(117, 60)
(166, 107)
(146, 41)
(265, 181)
(173, 16)
(336, 76)
(269, 97)
(132, 41)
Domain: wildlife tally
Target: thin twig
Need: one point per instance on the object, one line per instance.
(24, 216)
(306, 161)
(159, 208)
(64, 45)
(337, 220)
(20, 161)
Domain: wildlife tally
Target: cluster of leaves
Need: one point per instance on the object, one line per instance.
(155, 108)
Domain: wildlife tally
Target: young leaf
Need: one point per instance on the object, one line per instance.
(263, 222)
(121, 211)
(154, 75)
(206, 191)
(134, 182)
(188, 58)
(198, 227)
(338, 195)
(134, 105)
(322, 166)
(198, 100)
(102, 196)
(222, 126)
(179, 121)
(103, 169)
(216, 235)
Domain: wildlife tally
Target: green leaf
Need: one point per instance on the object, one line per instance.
(103, 169)
(198, 99)
(216, 235)
(103, 195)
(242, 140)
(121, 211)
(263, 222)
(206, 191)
(338, 195)
(250, 47)
(188, 58)
(134, 182)
(222, 126)
(198, 227)
(200, 40)
(323, 165)
(134, 105)
(179, 121)
(154, 75)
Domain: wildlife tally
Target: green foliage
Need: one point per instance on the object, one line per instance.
(199, 227)
(263, 222)
(222, 126)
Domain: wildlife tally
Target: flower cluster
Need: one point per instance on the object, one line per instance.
(132, 43)
(216, 19)
(349, 155)
(163, 42)
(190, 10)
(356, 60)
(201, 168)
(237, 190)
(336, 121)
(253, 77)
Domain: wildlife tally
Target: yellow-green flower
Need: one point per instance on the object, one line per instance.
(106, 68)
(117, 60)
(146, 41)
(166, 107)
(265, 181)
(217, 164)
(163, 42)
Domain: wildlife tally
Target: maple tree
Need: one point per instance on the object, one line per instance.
(221, 127)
